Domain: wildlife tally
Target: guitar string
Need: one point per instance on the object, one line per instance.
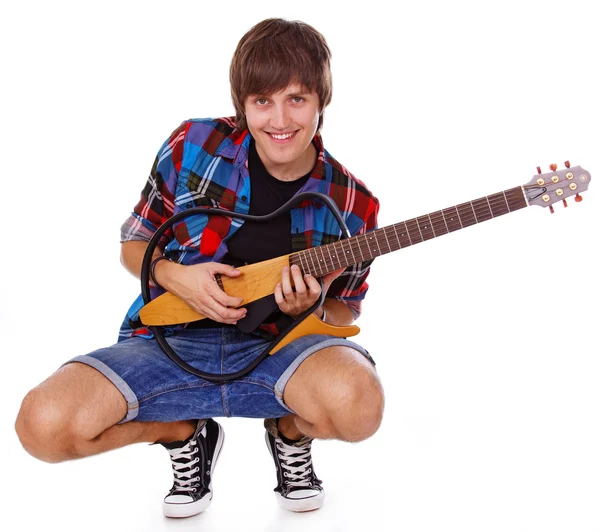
(474, 208)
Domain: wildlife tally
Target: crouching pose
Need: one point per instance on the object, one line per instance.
(316, 387)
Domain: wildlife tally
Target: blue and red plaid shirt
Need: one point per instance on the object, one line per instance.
(205, 163)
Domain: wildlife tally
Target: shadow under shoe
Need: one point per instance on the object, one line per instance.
(298, 487)
(193, 461)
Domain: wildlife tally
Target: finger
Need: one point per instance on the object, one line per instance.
(226, 315)
(298, 280)
(209, 312)
(278, 293)
(223, 298)
(314, 287)
(224, 269)
(286, 285)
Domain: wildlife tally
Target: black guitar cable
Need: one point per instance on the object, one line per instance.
(145, 279)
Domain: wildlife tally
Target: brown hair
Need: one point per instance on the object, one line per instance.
(275, 53)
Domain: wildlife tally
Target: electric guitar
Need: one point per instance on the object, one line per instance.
(258, 280)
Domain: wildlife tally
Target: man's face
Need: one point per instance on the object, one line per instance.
(283, 125)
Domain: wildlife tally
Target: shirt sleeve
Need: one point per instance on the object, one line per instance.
(351, 286)
(157, 200)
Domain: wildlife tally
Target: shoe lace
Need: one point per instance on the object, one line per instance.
(183, 460)
(296, 462)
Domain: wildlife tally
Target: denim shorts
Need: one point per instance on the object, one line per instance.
(157, 389)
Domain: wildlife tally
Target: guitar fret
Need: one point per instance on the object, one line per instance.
(386, 239)
(374, 237)
(365, 246)
(472, 208)
(372, 251)
(322, 261)
(481, 210)
(407, 233)
(350, 249)
(432, 224)
(297, 259)
(414, 236)
(315, 260)
(498, 204)
(396, 235)
(426, 230)
(360, 250)
(439, 223)
(465, 217)
(330, 257)
(506, 201)
(489, 206)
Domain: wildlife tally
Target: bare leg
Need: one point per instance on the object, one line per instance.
(335, 393)
(74, 413)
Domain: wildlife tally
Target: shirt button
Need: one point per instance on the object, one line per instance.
(244, 198)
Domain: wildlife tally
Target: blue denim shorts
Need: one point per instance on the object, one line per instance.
(157, 389)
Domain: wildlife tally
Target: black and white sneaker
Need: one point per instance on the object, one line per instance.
(298, 488)
(193, 462)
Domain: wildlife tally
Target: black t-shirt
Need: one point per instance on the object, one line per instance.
(258, 241)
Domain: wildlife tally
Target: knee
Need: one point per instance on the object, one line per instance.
(359, 410)
(44, 429)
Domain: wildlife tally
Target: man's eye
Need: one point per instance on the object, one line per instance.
(261, 101)
(298, 99)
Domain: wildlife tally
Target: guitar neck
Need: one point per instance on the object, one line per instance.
(320, 260)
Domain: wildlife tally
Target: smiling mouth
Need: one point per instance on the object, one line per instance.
(281, 136)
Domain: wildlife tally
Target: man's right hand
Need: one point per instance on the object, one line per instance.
(196, 285)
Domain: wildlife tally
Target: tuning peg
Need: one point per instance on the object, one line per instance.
(539, 170)
(551, 209)
(578, 198)
(567, 164)
(565, 203)
(553, 167)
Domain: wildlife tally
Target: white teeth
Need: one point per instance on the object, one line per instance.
(281, 137)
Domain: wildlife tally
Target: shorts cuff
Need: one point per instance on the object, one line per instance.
(133, 405)
(286, 375)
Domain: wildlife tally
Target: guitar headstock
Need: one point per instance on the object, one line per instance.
(557, 185)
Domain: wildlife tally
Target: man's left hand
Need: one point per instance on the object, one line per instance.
(307, 290)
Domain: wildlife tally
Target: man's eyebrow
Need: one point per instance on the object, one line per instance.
(301, 92)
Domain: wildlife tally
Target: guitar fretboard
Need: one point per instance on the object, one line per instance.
(320, 260)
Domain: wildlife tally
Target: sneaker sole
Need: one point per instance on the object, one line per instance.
(188, 509)
(301, 505)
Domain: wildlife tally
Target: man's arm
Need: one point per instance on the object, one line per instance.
(193, 284)
(336, 312)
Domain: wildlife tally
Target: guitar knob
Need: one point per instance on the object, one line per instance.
(565, 203)
(578, 198)
(551, 209)
(567, 164)
(553, 167)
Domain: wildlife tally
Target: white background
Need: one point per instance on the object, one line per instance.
(486, 340)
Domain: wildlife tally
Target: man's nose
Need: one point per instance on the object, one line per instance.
(280, 118)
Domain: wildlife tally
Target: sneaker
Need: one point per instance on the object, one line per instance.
(193, 463)
(298, 488)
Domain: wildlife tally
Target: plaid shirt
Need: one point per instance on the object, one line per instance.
(205, 163)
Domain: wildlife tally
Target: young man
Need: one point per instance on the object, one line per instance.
(315, 387)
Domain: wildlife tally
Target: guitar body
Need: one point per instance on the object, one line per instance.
(313, 325)
(257, 281)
